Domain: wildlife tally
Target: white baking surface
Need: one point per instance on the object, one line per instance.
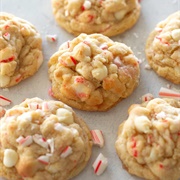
(39, 13)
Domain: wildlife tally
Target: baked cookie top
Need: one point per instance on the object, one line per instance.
(108, 17)
(148, 141)
(20, 50)
(93, 73)
(163, 48)
(43, 140)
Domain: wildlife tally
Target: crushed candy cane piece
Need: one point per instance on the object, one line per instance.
(38, 139)
(18, 78)
(103, 46)
(168, 93)
(10, 158)
(66, 152)
(2, 111)
(51, 38)
(97, 137)
(44, 159)
(50, 92)
(25, 141)
(4, 101)
(100, 164)
(7, 36)
(51, 144)
(147, 97)
(117, 61)
(45, 106)
(34, 106)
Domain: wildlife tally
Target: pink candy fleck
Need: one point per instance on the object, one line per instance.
(161, 166)
(50, 92)
(79, 79)
(8, 60)
(73, 60)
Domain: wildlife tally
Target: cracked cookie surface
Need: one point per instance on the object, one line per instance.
(20, 50)
(108, 17)
(148, 142)
(163, 48)
(43, 140)
(93, 73)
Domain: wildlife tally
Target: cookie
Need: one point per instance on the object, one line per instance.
(148, 142)
(93, 73)
(43, 140)
(163, 48)
(20, 50)
(96, 16)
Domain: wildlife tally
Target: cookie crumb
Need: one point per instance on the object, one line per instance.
(147, 97)
(147, 67)
(136, 35)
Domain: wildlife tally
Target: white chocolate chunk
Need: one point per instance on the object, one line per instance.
(142, 124)
(65, 116)
(176, 34)
(87, 5)
(120, 14)
(100, 73)
(10, 158)
(4, 80)
(25, 117)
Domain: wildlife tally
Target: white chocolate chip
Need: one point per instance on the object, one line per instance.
(87, 5)
(10, 158)
(176, 34)
(82, 52)
(25, 117)
(142, 124)
(100, 73)
(65, 116)
(120, 14)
